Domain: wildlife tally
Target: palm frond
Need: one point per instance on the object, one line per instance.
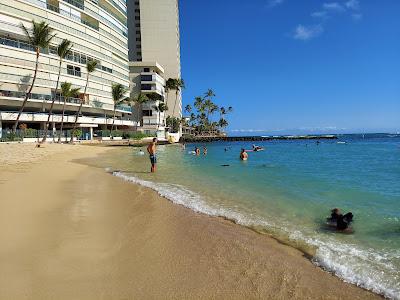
(64, 48)
(74, 92)
(27, 33)
(118, 92)
(91, 66)
(65, 88)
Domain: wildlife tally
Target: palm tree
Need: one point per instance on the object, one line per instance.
(40, 38)
(169, 85)
(161, 107)
(90, 68)
(140, 100)
(179, 84)
(67, 92)
(198, 104)
(63, 49)
(188, 108)
(209, 94)
(222, 123)
(118, 94)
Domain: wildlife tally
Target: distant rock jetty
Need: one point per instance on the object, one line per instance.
(208, 139)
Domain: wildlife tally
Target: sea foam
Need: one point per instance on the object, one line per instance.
(362, 267)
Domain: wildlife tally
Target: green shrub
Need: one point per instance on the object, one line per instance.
(77, 133)
(10, 137)
(29, 133)
(136, 135)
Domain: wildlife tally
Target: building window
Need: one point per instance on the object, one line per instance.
(147, 113)
(137, 25)
(146, 77)
(137, 10)
(139, 53)
(53, 50)
(73, 70)
(146, 70)
(138, 39)
(139, 46)
(137, 31)
(146, 87)
(106, 69)
(137, 17)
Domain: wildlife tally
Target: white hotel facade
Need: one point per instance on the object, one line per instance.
(98, 31)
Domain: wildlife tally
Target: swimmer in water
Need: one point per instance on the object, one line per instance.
(205, 150)
(243, 155)
(197, 151)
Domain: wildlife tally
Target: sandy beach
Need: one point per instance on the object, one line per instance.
(70, 231)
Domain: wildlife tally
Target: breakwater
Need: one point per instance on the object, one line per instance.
(208, 139)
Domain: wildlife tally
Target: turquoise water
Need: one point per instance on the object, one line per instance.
(288, 191)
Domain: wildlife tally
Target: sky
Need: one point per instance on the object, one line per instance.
(295, 65)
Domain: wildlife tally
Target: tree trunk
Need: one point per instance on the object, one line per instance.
(80, 108)
(159, 117)
(46, 127)
(28, 95)
(137, 117)
(112, 126)
(62, 120)
(173, 112)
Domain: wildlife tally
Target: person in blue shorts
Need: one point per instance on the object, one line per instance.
(152, 150)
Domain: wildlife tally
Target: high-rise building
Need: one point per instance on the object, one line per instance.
(98, 31)
(154, 37)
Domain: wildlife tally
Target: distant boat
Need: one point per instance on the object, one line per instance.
(341, 143)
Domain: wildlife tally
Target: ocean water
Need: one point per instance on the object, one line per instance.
(287, 191)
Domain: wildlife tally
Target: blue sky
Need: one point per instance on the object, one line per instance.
(296, 65)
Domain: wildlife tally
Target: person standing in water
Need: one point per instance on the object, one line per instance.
(151, 149)
(205, 150)
(197, 151)
(244, 155)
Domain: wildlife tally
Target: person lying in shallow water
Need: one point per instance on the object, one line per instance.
(339, 221)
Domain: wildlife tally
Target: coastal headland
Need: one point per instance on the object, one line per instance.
(71, 231)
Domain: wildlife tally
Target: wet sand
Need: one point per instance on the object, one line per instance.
(69, 231)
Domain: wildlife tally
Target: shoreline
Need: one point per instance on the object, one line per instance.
(110, 239)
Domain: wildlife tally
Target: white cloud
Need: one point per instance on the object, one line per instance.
(306, 33)
(320, 14)
(353, 4)
(273, 3)
(357, 17)
(333, 6)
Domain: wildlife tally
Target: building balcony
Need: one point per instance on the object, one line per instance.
(151, 77)
(56, 118)
(38, 100)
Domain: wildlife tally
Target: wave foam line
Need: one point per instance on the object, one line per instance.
(343, 261)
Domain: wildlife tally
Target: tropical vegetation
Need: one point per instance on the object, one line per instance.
(160, 108)
(39, 38)
(90, 68)
(63, 49)
(206, 116)
(118, 92)
(139, 100)
(67, 92)
(176, 84)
